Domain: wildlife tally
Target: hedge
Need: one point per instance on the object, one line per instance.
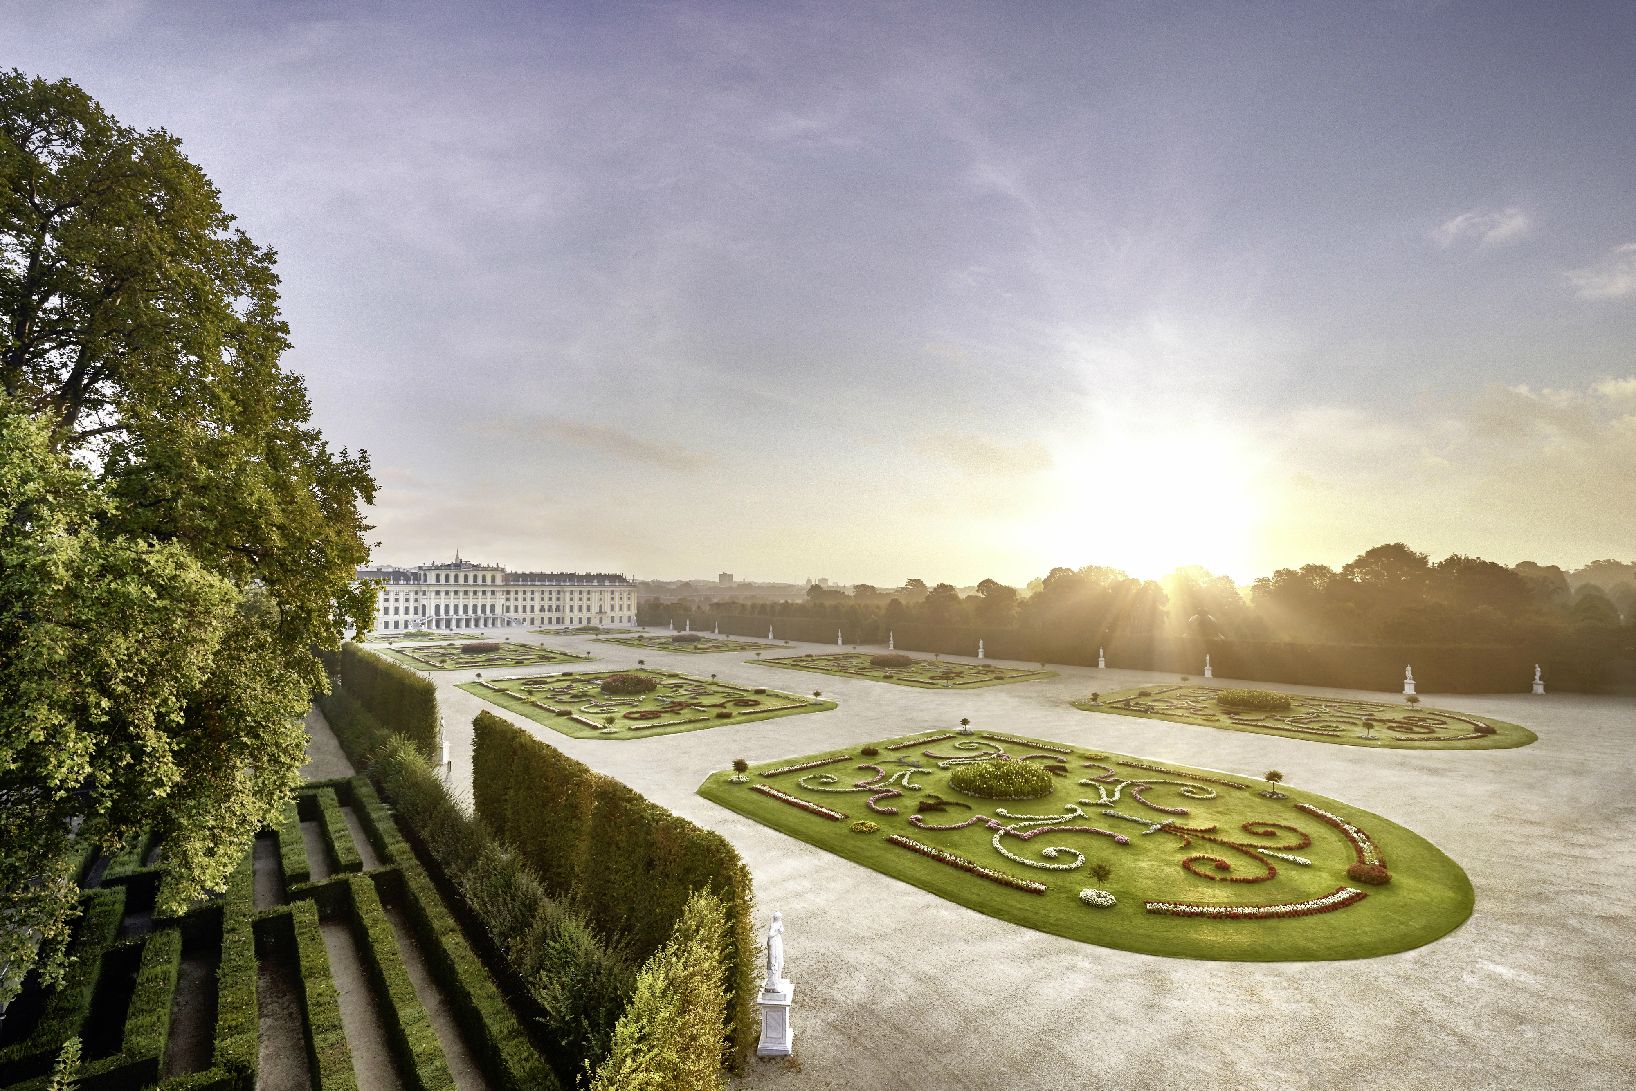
(670, 1036)
(398, 698)
(129, 860)
(409, 1028)
(66, 1008)
(292, 847)
(329, 1057)
(579, 981)
(629, 863)
(147, 1019)
(337, 836)
(1571, 662)
(503, 1048)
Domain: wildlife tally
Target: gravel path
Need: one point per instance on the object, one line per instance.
(1537, 987)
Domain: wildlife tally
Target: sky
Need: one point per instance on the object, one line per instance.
(935, 290)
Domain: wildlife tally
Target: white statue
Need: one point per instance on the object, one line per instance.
(769, 632)
(1101, 660)
(688, 628)
(1208, 673)
(775, 955)
(837, 638)
(979, 648)
(890, 637)
(1408, 680)
(1539, 682)
(718, 628)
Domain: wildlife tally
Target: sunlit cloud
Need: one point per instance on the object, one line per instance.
(1614, 277)
(1484, 227)
(607, 440)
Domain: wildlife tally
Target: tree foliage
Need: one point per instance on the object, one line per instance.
(176, 534)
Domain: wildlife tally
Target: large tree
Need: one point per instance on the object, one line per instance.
(177, 536)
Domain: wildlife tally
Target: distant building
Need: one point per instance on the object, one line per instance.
(460, 595)
(725, 579)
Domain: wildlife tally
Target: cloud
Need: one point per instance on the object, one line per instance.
(985, 458)
(1486, 227)
(605, 440)
(1616, 389)
(1614, 277)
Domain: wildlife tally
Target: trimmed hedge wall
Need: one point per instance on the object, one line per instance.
(631, 864)
(398, 698)
(337, 836)
(410, 1029)
(329, 1057)
(1570, 665)
(147, 1020)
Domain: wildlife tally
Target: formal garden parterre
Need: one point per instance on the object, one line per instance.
(637, 704)
(1348, 721)
(1112, 849)
(478, 654)
(695, 643)
(423, 636)
(581, 630)
(905, 670)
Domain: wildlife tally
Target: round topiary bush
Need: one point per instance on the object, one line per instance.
(480, 647)
(890, 659)
(869, 751)
(628, 685)
(998, 778)
(1253, 700)
(863, 825)
(1371, 874)
(686, 638)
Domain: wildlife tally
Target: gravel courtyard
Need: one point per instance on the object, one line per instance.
(1538, 988)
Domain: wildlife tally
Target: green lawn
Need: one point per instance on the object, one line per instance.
(1241, 849)
(669, 643)
(1321, 719)
(449, 657)
(924, 673)
(575, 705)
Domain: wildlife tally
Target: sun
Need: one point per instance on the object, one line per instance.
(1152, 498)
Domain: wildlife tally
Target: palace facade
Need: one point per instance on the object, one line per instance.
(461, 595)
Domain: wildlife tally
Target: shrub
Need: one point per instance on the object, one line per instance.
(1001, 779)
(817, 693)
(1272, 776)
(686, 638)
(1253, 700)
(863, 825)
(1413, 698)
(869, 751)
(631, 864)
(1100, 872)
(628, 685)
(1371, 874)
(399, 699)
(890, 659)
(760, 689)
(1096, 698)
(740, 765)
(724, 714)
(480, 647)
(670, 1036)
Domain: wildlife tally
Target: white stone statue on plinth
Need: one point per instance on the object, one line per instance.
(837, 638)
(1539, 683)
(979, 648)
(769, 632)
(890, 637)
(1208, 673)
(777, 1036)
(1408, 680)
(688, 627)
(718, 628)
(1101, 660)
(673, 625)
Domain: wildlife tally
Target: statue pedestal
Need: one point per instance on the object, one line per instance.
(1408, 688)
(1539, 687)
(777, 1036)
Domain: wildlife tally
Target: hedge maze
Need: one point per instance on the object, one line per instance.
(1114, 850)
(904, 670)
(696, 643)
(241, 991)
(1344, 720)
(477, 654)
(594, 706)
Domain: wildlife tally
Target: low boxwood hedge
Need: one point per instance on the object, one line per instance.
(1253, 700)
(998, 779)
(328, 1055)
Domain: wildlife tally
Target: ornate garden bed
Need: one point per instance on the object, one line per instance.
(454, 657)
(701, 642)
(1125, 853)
(1345, 720)
(905, 670)
(577, 704)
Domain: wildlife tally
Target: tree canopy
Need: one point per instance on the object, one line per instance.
(177, 536)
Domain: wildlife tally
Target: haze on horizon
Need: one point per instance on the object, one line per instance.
(950, 291)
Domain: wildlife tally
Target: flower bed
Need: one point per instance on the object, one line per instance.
(796, 801)
(1030, 885)
(1340, 899)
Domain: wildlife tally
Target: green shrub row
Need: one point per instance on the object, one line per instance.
(337, 836)
(408, 1026)
(1258, 700)
(670, 1035)
(502, 1046)
(328, 1054)
(147, 1020)
(629, 863)
(358, 732)
(68, 1004)
(580, 980)
(128, 860)
(292, 847)
(396, 696)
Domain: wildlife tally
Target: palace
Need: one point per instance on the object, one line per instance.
(461, 595)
